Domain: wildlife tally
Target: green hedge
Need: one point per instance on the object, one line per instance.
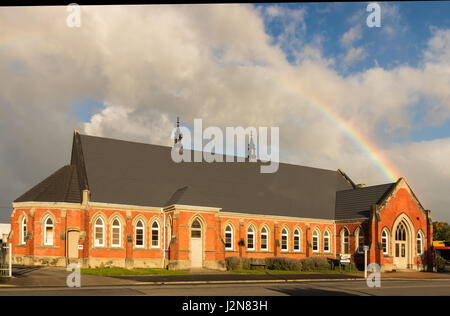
(278, 263)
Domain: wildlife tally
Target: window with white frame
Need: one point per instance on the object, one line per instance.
(284, 240)
(297, 243)
(24, 230)
(345, 248)
(326, 241)
(251, 238)
(360, 240)
(264, 239)
(155, 234)
(315, 237)
(48, 231)
(116, 233)
(139, 234)
(99, 232)
(229, 237)
(419, 244)
(385, 242)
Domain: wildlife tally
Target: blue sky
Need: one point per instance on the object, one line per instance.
(412, 21)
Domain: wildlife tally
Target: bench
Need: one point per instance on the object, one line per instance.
(257, 265)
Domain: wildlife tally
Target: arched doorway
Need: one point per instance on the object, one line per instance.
(403, 233)
(196, 244)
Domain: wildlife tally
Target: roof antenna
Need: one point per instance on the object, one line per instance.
(251, 149)
(178, 137)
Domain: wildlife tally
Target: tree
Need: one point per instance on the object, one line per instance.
(441, 231)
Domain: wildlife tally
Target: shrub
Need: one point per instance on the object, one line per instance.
(283, 264)
(232, 263)
(235, 263)
(320, 263)
(308, 264)
(440, 264)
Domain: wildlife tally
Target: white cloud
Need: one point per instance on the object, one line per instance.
(352, 35)
(150, 64)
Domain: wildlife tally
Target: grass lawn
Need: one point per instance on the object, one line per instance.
(260, 271)
(122, 271)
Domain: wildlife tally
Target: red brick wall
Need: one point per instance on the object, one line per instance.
(213, 227)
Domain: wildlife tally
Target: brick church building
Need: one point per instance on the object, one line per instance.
(127, 204)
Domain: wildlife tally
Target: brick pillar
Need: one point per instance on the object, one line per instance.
(241, 237)
(128, 241)
(276, 242)
(373, 238)
(176, 237)
(219, 245)
(429, 253)
(29, 244)
(307, 242)
(63, 234)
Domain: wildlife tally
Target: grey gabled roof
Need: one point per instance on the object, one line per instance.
(123, 172)
(61, 186)
(132, 173)
(356, 203)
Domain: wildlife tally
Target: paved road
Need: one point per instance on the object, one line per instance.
(357, 287)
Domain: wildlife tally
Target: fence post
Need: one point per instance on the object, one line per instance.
(10, 259)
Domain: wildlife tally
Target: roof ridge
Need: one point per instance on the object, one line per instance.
(194, 150)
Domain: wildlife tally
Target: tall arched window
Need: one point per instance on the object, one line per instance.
(385, 242)
(315, 237)
(251, 238)
(345, 249)
(99, 231)
(326, 241)
(400, 238)
(24, 229)
(264, 239)
(419, 244)
(284, 240)
(297, 243)
(229, 237)
(359, 240)
(48, 231)
(155, 234)
(116, 233)
(139, 233)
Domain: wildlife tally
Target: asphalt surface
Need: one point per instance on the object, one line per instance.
(309, 288)
(52, 281)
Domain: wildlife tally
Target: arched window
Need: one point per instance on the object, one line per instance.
(326, 241)
(345, 249)
(297, 243)
(116, 233)
(359, 240)
(284, 240)
(99, 231)
(315, 237)
(48, 231)
(264, 239)
(385, 242)
(24, 230)
(155, 234)
(139, 233)
(419, 244)
(250, 238)
(229, 237)
(400, 233)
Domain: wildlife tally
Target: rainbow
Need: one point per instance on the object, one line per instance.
(368, 147)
